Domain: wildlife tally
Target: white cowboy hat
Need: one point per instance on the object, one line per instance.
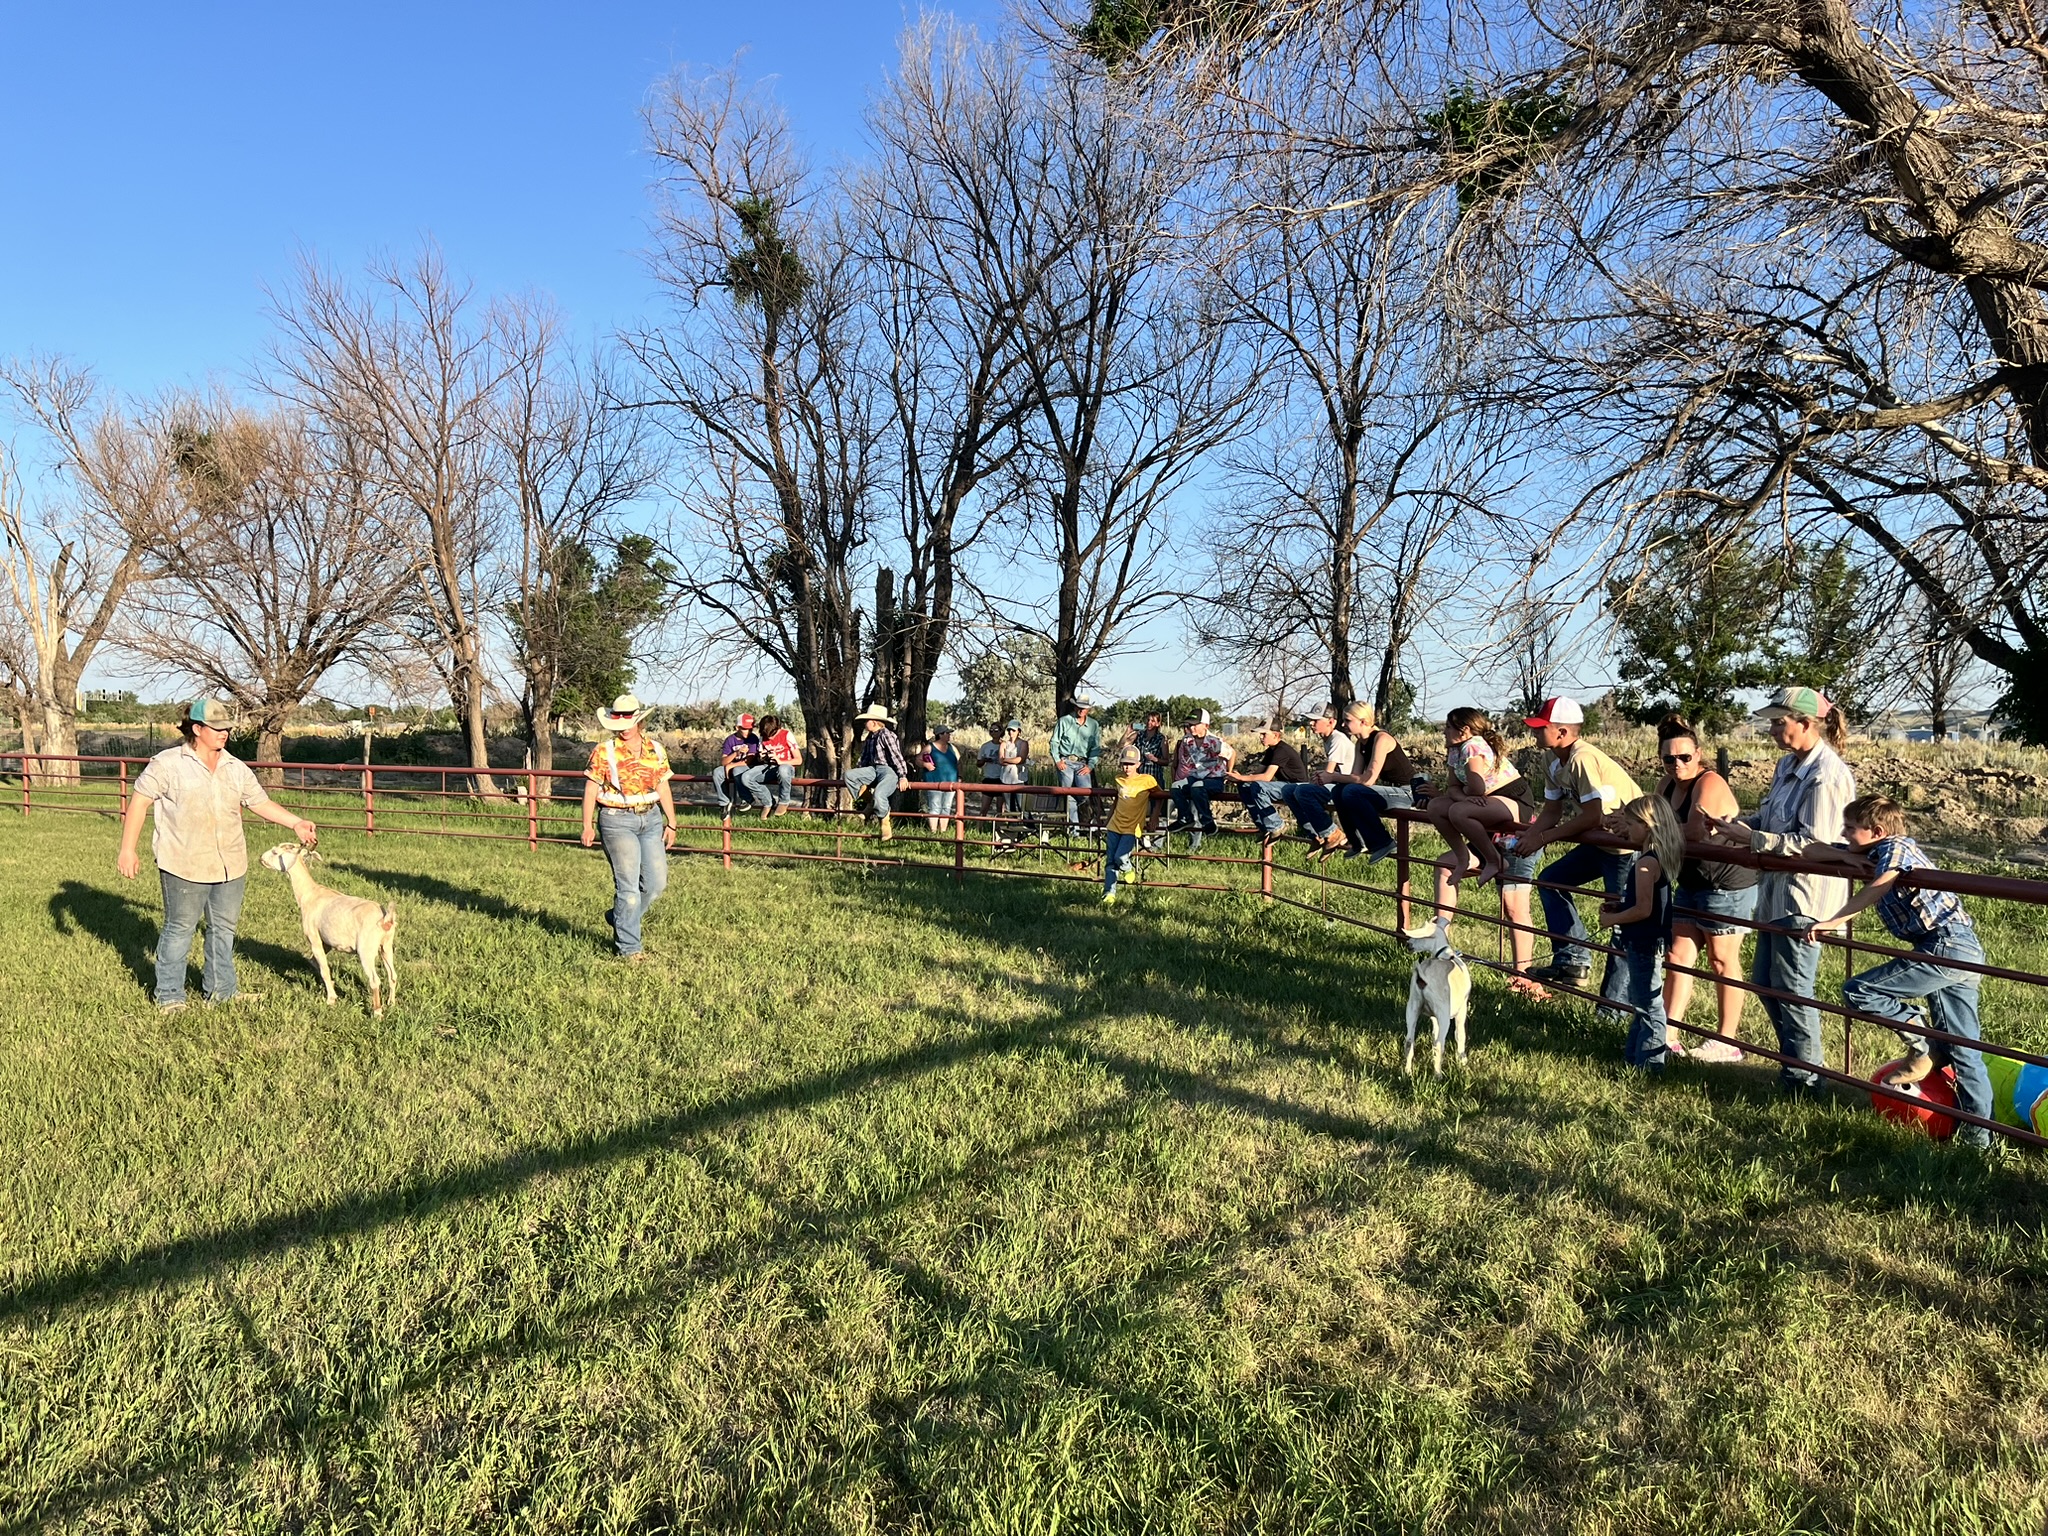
(874, 712)
(626, 712)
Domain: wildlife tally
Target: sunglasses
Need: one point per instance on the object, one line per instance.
(1678, 757)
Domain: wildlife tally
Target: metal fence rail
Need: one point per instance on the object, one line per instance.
(979, 838)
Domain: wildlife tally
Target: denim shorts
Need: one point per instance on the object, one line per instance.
(1519, 868)
(1706, 909)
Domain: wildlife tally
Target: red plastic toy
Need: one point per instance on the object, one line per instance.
(1936, 1092)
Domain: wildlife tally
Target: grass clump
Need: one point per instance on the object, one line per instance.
(876, 1203)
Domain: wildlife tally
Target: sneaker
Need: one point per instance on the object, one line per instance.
(1717, 1050)
(1380, 855)
(1109, 898)
(178, 1007)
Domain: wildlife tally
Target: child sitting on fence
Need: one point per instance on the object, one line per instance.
(1935, 927)
(1641, 919)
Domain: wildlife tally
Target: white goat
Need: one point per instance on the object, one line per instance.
(1441, 987)
(346, 922)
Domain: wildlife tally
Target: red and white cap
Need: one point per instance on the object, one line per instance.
(746, 722)
(1557, 711)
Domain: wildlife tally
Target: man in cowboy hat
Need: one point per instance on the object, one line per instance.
(199, 792)
(1076, 744)
(627, 802)
(882, 764)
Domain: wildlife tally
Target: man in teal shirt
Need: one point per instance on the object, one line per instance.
(1076, 744)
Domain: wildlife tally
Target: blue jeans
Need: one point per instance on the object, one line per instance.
(632, 842)
(1310, 804)
(1951, 998)
(185, 902)
(770, 783)
(883, 779)
(1360, 806)
(1075, 776)
(1262, 798)
(1789, 963)
(1634, 986)
(1117, 849)
(1580, 865)
(736, 777)
(941, 802)
(1190, 799)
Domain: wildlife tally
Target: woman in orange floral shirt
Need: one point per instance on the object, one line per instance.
(628, 804)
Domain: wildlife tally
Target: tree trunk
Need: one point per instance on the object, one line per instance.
(542, 739)
(60, 739)
(270, 749)
(468, 699)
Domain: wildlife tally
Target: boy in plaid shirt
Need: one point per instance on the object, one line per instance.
(1934, 925)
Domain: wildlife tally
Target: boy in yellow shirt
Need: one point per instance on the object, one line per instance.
(1126, 822)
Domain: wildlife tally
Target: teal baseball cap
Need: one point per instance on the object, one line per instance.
(218, 713)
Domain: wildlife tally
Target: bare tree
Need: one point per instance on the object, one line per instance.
(404, 368)
(277, 559)
(954, 222)
(1795, 254)
(572, 460)
(73, 560)
(766, 378)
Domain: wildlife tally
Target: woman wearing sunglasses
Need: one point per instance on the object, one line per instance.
(1710, 896)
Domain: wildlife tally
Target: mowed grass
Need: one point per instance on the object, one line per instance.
(880, 1203)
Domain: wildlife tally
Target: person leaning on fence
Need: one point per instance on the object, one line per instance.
(777, 773)
(940, 761)
(882, 764)
(738, 755)
(1013, 760)
(1075, 746)
(1582, 785)
(629, 806)
(1127, 819)
(1632, 984)
(1713, 898)
(1201, 768)
(1935, 926)
(1381, 779)
(198, 791)
(1800, 812)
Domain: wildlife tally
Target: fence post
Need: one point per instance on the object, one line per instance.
(122, 769)
(960, 835)
(1848, 970)
(24, 782)
(1401, 869)
(532, 811)
(369, 803)
(725, 844)
(1265, 869)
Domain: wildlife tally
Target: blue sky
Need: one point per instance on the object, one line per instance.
(159, 165)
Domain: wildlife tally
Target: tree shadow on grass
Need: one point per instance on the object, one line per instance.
(131, 929)
(467, 898)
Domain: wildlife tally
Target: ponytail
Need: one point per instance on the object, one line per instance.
(1834, 728)
(1475, 721)
(1673, 726)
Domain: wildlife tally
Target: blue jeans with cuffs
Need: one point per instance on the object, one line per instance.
(1951, 998)
(632, 842)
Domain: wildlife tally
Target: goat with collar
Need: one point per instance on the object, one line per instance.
(345, 922)
(1441, 984)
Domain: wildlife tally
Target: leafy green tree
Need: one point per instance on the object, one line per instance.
(1696, 630)
(582, 634)
(1833, 631)
(1012, 678)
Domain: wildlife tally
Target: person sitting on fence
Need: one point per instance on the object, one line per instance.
(1582, 786)
(1151, 744)
(1381, 779)
(1484, 793)
(1801, 811)
(777, 772)
(198, 791)
(1712, 898)
(1935, 926)
(1201, 767)
(629, 804)
(1338, 752)
(739, 754)
(1127, 821)
(1076, 744)
(1633, 982)
(882, 765)
(1276, 781)
(940, 764)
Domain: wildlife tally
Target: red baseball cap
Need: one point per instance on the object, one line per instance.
(746, 722)
(1558, 711)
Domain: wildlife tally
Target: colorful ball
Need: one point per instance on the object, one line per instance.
(1933, 1093)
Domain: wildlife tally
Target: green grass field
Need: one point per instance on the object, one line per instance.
(878, 1203)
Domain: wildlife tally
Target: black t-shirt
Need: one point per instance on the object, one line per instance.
(1292, 770)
